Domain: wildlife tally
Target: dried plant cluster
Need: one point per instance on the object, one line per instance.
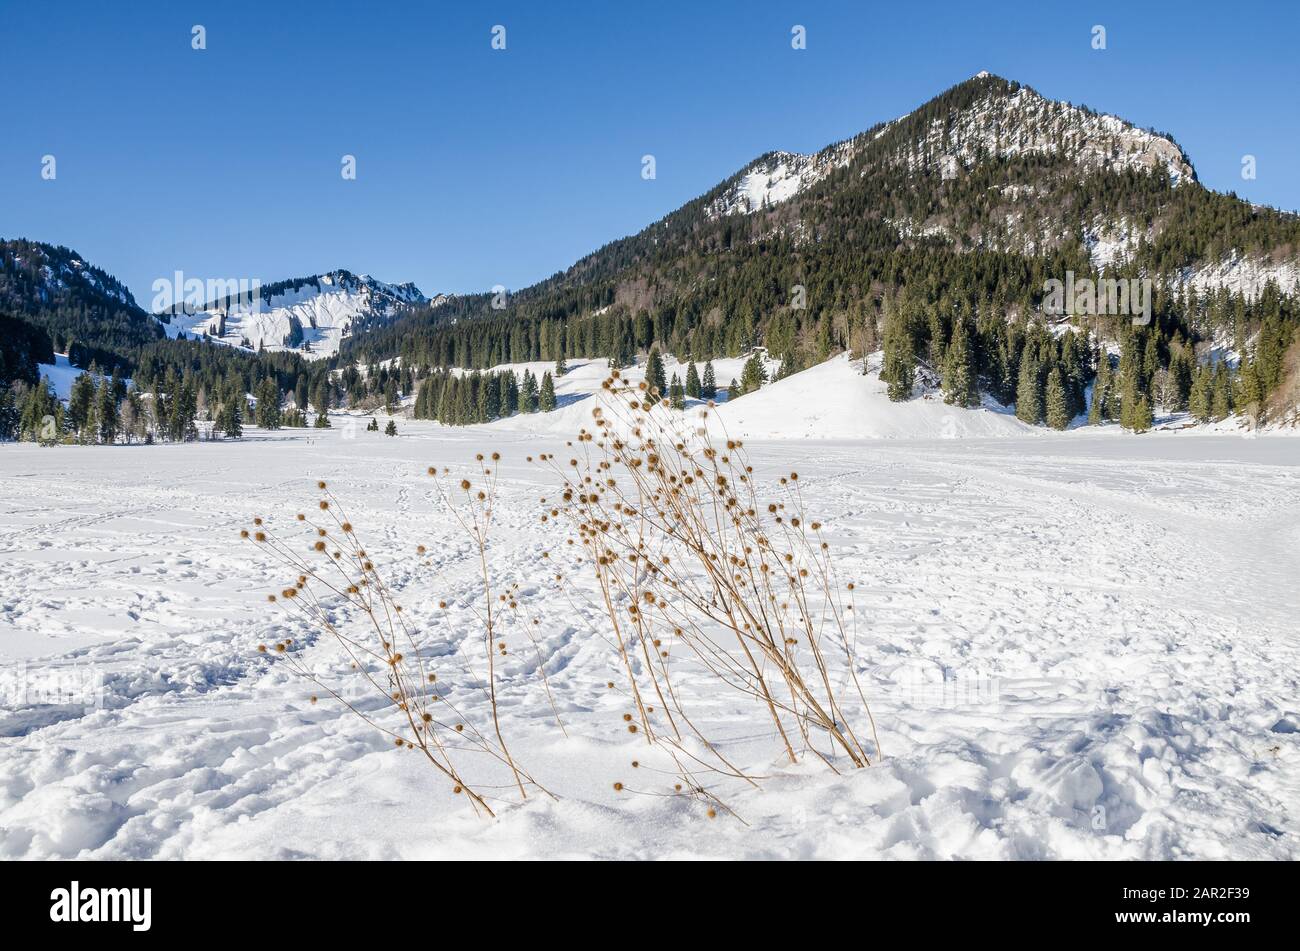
(334, 571)
(696, 575)
(713, 598)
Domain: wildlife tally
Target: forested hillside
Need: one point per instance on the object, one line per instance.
(953, 216)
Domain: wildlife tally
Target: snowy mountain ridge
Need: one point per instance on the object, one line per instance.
(61, 269)
(311, 315)
(1002, 124)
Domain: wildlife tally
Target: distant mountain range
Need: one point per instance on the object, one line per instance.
(310, 314)
(75, 302)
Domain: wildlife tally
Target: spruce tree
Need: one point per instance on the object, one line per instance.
(184, 418)
(81, 405)
(1199, 399)
(676, 394)
(709, 384)
(268, 404)
(391, 428)
(9, 413)
(1130, 383)
(1099, 411)
(106, 412)
(754, 375)
(561, 367)
(959, 369)
(1029, 388)
(898, 369)
(528, 394)
(1057, 408)
(546, 398)
(231, 420)
(656, 382)
(692, 381)
(1221, 393)
(1142, 418)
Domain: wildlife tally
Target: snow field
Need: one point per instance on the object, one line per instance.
(1074, 646)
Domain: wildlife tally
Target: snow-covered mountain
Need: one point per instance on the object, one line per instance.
(311, 315)
(1000, 123)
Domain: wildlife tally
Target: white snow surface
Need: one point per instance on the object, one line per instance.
(799, 407)
(61, 374)
(1124, 607)
(779, 177)
(1244, 275)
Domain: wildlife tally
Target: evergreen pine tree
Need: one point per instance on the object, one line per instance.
(546, 398)
(528, 396)
(692, 381)
(1142, 418)
(231, 419)
(106, 412)
(268, 403)
(561, 367)
(656, 382)
(9, 413)
(81, 405)
(1221, 393)
(1102, 383)
(676, 393)
(1029, 387)
(1057, 409)
(391, 428)
(754, 374)
(898, 369)
(1130, 383)
(959, 369)
(709, 384)
(1200, 397)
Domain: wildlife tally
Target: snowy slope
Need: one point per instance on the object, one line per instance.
(1245, 275)
(833, 400)
(778, 177)
(60, 374)
(322, 310)
(576, 391)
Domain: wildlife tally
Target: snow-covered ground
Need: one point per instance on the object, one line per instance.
(61, 374)
(1075, 645)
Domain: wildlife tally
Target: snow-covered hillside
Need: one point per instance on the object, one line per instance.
(778, 177)
(834, 400)
(61, 374)
(1245, 275)
(311, 315)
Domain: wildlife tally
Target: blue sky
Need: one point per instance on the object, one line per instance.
(478, 167)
